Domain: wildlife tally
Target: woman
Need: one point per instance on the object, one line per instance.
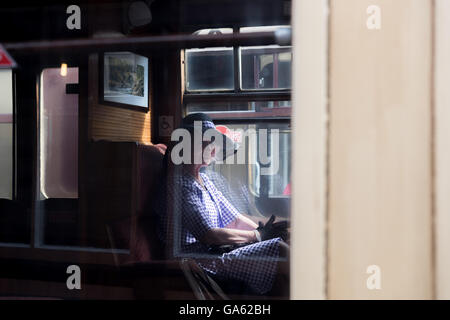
(197, 220)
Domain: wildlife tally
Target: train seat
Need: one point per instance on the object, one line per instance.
(139, 231)
(147, 254)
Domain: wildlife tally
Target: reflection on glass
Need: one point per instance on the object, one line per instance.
(265, 68)
(244, 185)
(230, 107)
(58, 135)
(209, 69)
(6, 134)
(279, 182)
(214, 107)
(57, 205)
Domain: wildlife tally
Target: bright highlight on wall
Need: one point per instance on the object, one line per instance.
(63, 69)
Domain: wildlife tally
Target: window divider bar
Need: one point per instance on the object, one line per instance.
(237, 96)
(237, 70)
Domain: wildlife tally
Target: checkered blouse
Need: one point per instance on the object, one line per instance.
(197, 210)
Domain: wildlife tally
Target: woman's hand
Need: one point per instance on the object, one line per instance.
(272, 230)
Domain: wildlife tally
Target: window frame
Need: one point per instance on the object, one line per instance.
(237, 94)
(263, 198)
(277, 114)
(32, 250)
(28, 82)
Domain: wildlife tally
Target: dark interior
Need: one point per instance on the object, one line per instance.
(118, 172)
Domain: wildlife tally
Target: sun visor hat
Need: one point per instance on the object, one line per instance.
(227, 147)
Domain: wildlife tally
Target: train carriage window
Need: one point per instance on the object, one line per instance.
(58, 135)
(14, 227)
(265, 67)
(210, 69)
(6, 135)
(255, 187)
(57, 208)
(279, 148)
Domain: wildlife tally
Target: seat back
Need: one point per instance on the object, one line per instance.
(138, 231)
(145, 244)
(107, 189)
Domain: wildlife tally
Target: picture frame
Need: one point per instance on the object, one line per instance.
(124, 80)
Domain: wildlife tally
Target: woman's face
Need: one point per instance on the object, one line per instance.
(206, 155)
(209, 153)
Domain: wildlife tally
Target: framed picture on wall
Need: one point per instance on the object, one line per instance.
(124, 80)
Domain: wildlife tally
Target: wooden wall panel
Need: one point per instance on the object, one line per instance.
(309, 134)
(113, 123)
(380, 185)
(442, 147)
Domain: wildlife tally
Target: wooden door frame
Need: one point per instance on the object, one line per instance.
(309, 149)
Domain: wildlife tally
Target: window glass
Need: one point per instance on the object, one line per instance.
(262, 28)
(265, 68)
(209, 69)
(260, 185)
(14, 216)
(260, 67)
(58, 135)
(229, 107)
(279, 183)
(57, 208)
(6, 135)
(215, 107)
(261, 105)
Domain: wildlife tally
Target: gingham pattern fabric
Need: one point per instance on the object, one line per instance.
(234, 191)
(195, 211)
(208, 125)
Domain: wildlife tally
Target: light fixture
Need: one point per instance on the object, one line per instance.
(139, 13)
(63, 71)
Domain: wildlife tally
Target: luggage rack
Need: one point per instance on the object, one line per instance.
(177, 41)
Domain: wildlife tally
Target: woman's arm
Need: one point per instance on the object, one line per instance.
(242, 222)
(220, 236)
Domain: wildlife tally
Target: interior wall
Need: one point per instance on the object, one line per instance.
(114, 123)
(380, 181)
